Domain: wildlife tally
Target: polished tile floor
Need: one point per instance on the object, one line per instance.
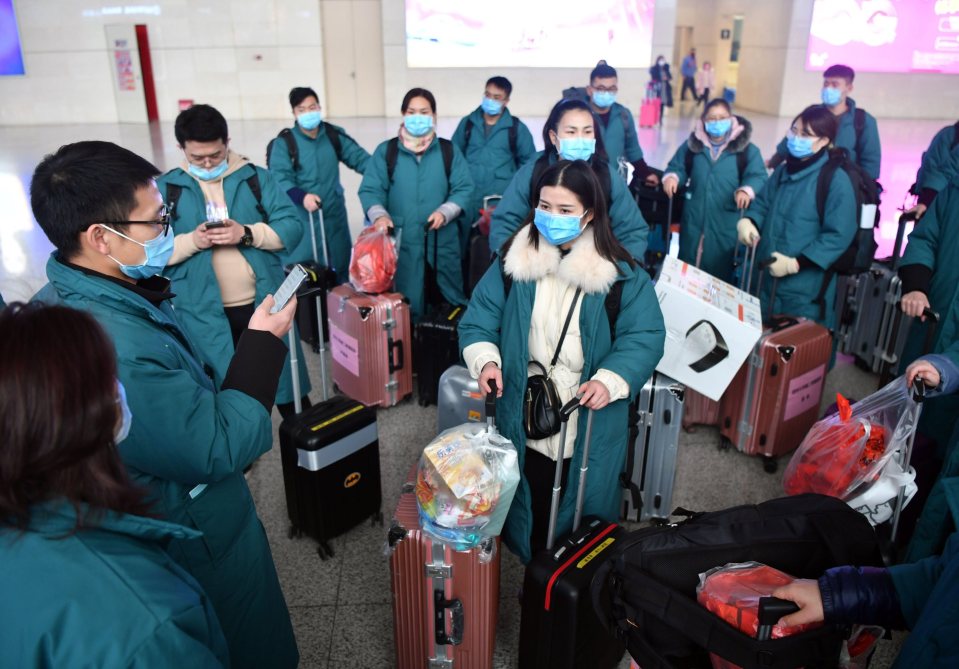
(341, 607)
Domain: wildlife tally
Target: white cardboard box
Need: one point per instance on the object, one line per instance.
(711, 327)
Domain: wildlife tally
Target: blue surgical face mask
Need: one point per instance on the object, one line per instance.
(718, 128)
(310, 120)
(491, 106)
(604, 99)
(831, 96)
(577, 148)
(557, 229)
(209, 174)
(799, 147)
(126, 416)
(158, 251)
(418, 124)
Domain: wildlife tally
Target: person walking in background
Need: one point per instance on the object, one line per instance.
(661, 79)
(705, 82)
(688, 70)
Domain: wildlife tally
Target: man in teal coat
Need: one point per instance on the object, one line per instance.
(219, 273)
(190, 438)
(495, 144)
(313, 180)
(419, 188)
(940, 165)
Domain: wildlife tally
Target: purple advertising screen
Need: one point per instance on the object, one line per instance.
(11, 58)
(885, 35)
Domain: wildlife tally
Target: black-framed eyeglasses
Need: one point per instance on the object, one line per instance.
(163, 220)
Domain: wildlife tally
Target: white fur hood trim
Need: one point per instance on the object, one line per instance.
(582, 267)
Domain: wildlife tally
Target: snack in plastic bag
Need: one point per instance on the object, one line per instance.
(849, 450)
(373, 262)
(732, 592)
(465, 484)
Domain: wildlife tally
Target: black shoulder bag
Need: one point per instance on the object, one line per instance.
(541, 403)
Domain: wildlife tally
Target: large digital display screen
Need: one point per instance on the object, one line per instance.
(529, 33)
(885, 35)
(11, 57)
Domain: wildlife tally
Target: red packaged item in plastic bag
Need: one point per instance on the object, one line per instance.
(373, 262)
(732, 592)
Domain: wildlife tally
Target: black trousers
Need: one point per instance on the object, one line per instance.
(540, 470)
(688, 84)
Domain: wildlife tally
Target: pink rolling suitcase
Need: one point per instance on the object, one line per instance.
(370, 338)
(650, 112)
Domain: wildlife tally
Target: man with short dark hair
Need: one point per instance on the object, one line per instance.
(688, 69)
(232, 223)
(308, 170)
(188, 443)
(858, 132)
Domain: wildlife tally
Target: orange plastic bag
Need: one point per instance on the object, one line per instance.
(373, 263)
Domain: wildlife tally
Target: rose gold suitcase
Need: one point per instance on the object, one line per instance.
(370, 338)
(445, 602)
(699, 410)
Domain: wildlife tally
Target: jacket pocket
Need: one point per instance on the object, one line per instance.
(221, 510)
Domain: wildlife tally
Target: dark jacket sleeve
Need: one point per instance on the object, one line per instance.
(256, 366)
(863, 595)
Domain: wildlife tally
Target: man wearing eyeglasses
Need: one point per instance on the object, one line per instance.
(616, 123)
(232, 223)
(189, 441)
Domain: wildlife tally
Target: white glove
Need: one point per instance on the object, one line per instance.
(747, 231)
(783, 265)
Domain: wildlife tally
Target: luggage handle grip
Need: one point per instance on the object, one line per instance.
(395, 353)
(771, 609)
(491, 400)
(568, 409)
(455, 607)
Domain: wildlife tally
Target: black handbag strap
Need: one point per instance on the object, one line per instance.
(562, 336)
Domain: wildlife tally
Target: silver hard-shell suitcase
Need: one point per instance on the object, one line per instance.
(654, 426)
(459, 399)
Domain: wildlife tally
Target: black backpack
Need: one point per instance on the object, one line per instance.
(332, 134)
(173, 193)
(513, 132)
(646, 592)
(393, 154)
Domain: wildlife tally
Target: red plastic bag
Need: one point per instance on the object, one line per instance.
(732, 592)
(373, 263)
(846, 452)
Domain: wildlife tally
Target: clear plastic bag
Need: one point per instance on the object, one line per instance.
(465, 485)
(846, 452)
(373, 263)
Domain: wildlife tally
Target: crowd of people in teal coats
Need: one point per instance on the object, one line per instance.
(137, 531)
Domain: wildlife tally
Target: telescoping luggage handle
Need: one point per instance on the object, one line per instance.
(889, 358)
(319, 305)
(918, 397)
(564, 415)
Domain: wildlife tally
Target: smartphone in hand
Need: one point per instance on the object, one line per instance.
(288, 288)
(209, 225)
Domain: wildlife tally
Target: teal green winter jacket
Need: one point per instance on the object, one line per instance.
(189, 445)
(198, 303)
(107, 595)
(785, 214)
(505, 321)
(940, 164)
(866, 152)
(319, 173)
(418, 188)
(618, 130)
(710, 211)
(628, 224)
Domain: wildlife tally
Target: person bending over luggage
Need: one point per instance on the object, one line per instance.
(783, 223)
(312, 180)
(418, 185)
(570, 134)
(564, 264)
(723, 172)
(189, 441)
(219, 273)
(939, 167)
(85, 579)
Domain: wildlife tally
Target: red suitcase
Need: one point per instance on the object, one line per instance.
(650, 112)
(445, 602)
(774, 399)
(370, 338)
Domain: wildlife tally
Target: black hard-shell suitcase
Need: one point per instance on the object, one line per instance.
(559, 627)
(435, 349)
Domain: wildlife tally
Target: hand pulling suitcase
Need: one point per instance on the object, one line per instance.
(460, 400)
(445, 602)
(370, 340)
(653, 440)
(559, 627)
(331, 466)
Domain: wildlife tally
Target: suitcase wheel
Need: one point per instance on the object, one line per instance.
(324, 550)
(725, 444)
(376, 519)
(316, 348)
(770, 464)
(294, 532)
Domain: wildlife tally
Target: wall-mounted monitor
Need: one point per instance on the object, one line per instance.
(885, 35)
(528, 33)
(11, 55)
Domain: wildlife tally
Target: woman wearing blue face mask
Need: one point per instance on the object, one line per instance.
(417, 182)
(785, 225)
(86, 579)
(564, 264)
(722, 171)
(570, 134)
